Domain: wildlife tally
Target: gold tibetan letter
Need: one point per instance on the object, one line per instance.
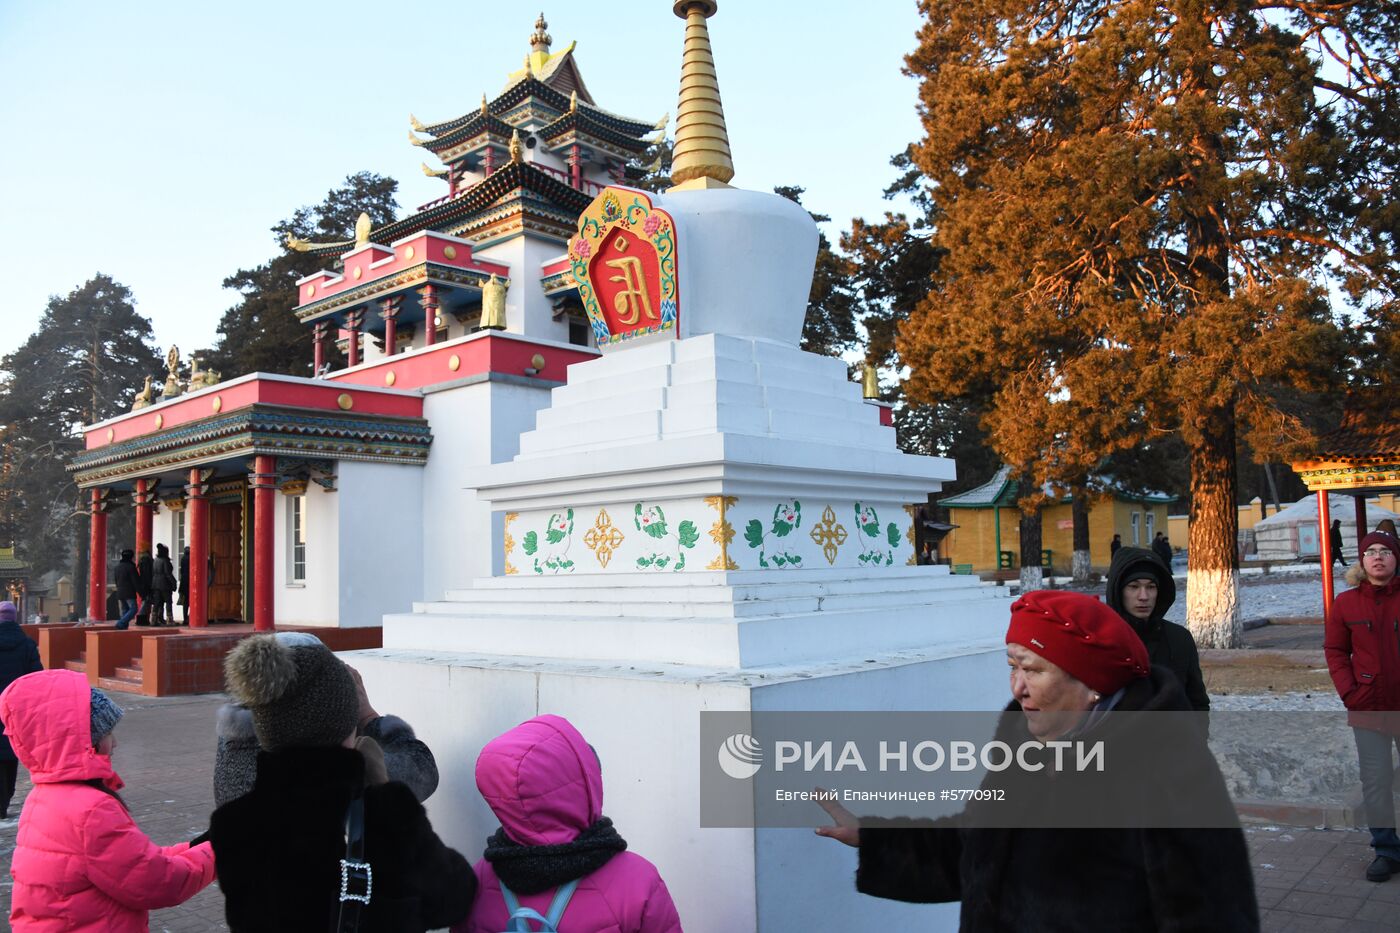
(632, 301)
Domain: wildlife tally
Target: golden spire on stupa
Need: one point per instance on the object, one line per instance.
(701, 156)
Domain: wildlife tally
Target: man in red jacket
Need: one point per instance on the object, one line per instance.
(1363, 654)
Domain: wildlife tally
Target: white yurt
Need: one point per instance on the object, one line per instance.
(1293, 532)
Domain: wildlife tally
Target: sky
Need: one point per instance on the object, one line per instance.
(158, 142)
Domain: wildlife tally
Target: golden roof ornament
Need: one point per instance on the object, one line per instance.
(413, 122)
(434, 173)
(297, 244)
(144, 398)
(485, 110)
(573, 102)
(540, 40)
(172, 374)
(362, 229)
(414, 139)
(516, 152)
(701, 158)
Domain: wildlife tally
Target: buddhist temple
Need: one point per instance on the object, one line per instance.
(315, 502)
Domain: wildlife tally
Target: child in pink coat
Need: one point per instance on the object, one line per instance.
(80, 863)
(544, 783)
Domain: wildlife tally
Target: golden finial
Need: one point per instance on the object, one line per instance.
(485, 110)
(434, 173)
(414, 139)
(299, 245)
(662, 123)
(540, 41)
(413, 122)
(573, 102)
(516, 153)
(362, 228)
(870, 381)
(701, 158)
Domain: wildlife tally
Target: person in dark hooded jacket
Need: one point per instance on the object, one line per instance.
(18, 656)
(1141, 590)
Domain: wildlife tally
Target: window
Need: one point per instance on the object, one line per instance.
(578, 331)
(1137, 527)
(1151, 527)
(296, 539)
(179, 532)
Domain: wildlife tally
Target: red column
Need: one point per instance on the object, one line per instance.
(145, 517)
(1324, 524)
(575, 167)
(318, 347)
(264, 485)
(352, 324)
(97, 558)
(430, 312)
(490, 162)
(197, 518)
(390, 314)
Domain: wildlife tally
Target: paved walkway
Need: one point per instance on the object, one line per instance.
(1308, 881)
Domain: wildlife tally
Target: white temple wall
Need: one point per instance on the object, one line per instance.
(473, 425)
(645, 726)
(380, 545)
(311, 601)
(528, 310)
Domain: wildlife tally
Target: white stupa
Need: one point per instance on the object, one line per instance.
(704, 518)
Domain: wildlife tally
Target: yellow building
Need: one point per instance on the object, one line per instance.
(1253, 513)
(986, 521)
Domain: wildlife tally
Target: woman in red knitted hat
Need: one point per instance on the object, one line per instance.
(1130, 849)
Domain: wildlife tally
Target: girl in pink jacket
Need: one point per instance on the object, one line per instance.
(544, 783)
(80, 863)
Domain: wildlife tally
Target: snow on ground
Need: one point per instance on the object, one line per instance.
(1270, 596)
(1290, 702)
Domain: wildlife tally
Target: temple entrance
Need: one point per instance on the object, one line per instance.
(226, 549)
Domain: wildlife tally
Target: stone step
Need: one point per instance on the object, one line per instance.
(797, 637)
(597, 603)
(79, 666)
(129, 674)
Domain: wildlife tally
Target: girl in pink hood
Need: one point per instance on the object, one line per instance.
(544, 783)
(80, 864)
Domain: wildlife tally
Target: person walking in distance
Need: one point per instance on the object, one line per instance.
(1362, 645)
(18, 656)
(128, 586)
(1334, 537)
(162, 586)
(1141, 590)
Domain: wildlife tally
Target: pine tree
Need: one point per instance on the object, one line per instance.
(85, 363)
(260, 333)
(1138, 205)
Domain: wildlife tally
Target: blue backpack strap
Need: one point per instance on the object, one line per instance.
(560, 904)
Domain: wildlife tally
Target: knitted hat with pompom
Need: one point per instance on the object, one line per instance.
(299, 692)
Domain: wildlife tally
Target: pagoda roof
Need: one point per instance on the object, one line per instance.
(585, 122)
(478, 197)
(1362, 454)
(1003, 491)
(464, 129)
(557, 70)
(458, 128)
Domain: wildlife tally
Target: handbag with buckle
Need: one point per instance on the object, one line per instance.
(356, 876)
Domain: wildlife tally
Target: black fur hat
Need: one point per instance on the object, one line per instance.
(299, 692)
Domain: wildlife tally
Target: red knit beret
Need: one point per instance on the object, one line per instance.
(1081, 635)
(1383, 539)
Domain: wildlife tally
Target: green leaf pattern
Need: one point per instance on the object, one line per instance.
(787, 518)
(553, 555)
(873, 553)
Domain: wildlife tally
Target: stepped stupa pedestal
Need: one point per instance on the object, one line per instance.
(704, 518)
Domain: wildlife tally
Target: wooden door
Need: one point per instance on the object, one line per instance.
(226, 546)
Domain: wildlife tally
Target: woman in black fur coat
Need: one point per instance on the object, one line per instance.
(1056, 880)
(278, 848)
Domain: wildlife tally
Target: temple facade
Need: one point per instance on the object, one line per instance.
(330, 501)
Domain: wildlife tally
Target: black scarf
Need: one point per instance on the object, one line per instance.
(531, 869)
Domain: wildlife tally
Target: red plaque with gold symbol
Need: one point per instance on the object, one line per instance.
(624, 261)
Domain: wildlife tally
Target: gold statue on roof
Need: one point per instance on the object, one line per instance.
(870, 381)
(516, 153)
(493, 304)
(540, 40)
(145, 397)
(362, 229)
(485, 110)
(172, 375)
(573, 102)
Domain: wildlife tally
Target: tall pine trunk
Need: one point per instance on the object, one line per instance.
(1079, 511)
(1213, 575)
(1032, 577)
